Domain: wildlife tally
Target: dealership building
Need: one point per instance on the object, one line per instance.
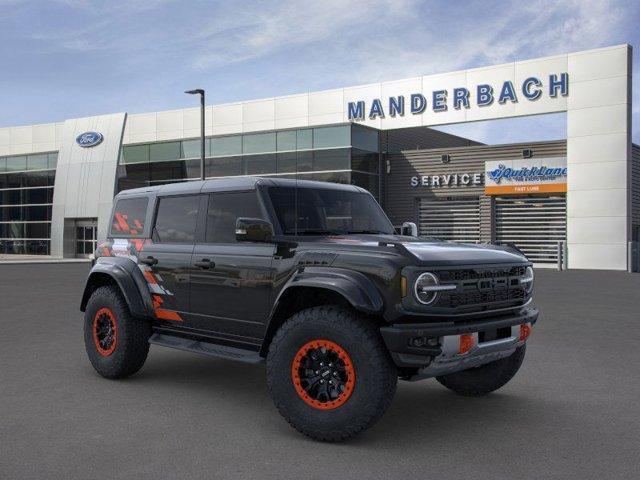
(572, 202)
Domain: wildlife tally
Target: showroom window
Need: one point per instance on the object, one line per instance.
(26, 199)
(259, 143)
(331, 149)
(167, 151)
(225, 146)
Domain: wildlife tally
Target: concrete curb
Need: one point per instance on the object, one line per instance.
(43, 260)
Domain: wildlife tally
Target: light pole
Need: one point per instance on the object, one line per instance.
(200, 91)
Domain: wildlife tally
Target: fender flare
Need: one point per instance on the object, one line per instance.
(355, 287)
(129, 278)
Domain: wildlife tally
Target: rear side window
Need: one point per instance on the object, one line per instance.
(224, 210)
(176, 219)
(128, 217)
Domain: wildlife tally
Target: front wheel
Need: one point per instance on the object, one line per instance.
(117, 343)
(482, 380)
(329, 373)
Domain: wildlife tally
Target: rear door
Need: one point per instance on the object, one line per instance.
(231, 281)
(168, 257)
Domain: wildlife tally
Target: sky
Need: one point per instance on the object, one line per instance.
(74, 58)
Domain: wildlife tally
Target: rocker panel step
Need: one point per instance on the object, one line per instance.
(204, 348)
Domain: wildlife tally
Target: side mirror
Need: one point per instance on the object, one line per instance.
(253, 230)
(409, 229)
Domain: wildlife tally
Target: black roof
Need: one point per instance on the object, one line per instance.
(233, 183)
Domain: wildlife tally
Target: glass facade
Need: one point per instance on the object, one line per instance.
(26, 198)
(343, 154)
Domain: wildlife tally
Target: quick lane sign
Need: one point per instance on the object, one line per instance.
(482, 95)
(543, 175)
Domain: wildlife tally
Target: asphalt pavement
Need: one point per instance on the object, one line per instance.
(572, 412)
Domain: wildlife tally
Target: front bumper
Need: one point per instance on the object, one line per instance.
(433, 349)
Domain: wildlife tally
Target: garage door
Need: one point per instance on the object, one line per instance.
(534, 224)
(453, 218)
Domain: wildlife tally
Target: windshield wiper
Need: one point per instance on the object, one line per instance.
(374, 232)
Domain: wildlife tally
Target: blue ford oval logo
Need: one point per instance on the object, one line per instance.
(89, 139)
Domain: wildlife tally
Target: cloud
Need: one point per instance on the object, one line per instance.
(256, 33)
(272, 47)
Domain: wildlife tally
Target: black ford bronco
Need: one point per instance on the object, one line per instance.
(312, 279)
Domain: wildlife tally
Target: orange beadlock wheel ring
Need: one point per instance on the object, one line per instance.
(323, 374)
(104, 331)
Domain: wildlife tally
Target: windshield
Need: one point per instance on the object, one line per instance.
(327, 211)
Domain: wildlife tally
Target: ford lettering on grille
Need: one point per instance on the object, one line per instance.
(482, 287)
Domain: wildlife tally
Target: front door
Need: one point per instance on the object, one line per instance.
(168, 257)
(86, 237)
(231, 281)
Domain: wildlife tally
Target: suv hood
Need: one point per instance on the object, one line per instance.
(449, 252)
(433, 252)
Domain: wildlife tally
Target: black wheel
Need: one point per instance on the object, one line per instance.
(482, 380)
(329, 373)
(117, 344)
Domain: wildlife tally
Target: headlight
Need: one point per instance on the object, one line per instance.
(426, 288)
(527, 280)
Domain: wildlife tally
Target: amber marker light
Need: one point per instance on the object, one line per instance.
(525, 331)
(466, 343)
(403, 286)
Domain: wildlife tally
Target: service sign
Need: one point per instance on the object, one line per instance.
(523, 176)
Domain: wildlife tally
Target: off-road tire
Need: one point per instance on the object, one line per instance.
(132, 339)
(482, 380)
(375, 374)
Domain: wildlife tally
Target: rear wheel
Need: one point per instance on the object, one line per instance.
(329, 374)
(117, 344)
(482, 380)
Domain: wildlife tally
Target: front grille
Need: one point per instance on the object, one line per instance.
(490, 287)
(454, 300)
(477, 273)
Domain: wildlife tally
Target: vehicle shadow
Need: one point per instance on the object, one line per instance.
(422, 412)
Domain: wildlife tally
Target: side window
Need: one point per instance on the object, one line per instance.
(176, 219)
(224, 210)
(128, 217)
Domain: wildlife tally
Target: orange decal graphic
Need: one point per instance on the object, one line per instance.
(122, 224)
(139, 243)
(150, 277)
(163, 314)
(157, 301)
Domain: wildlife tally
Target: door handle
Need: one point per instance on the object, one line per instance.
(149, 260)
(205, 263)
